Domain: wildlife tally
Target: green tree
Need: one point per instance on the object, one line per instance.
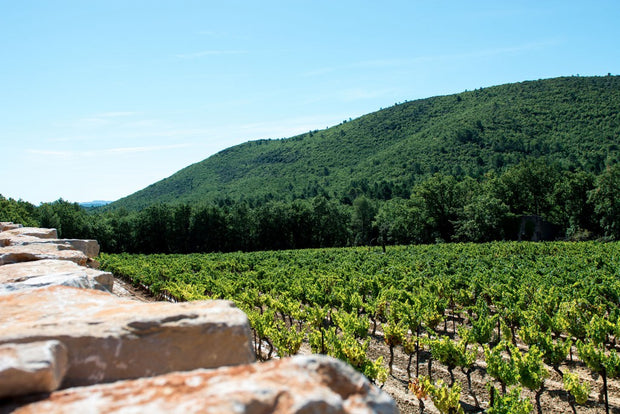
(18, 212)
(301, 224)
(274, 226)
(122, 225)
(362, 218)
(400, 221)
(153, 229)
(180, 228)
(442, 200)
(572, 209)
(527, 188)
(208, 230)
(482, 220)
(241, 228)
(606, 201)
(68, 218)
(330, 223)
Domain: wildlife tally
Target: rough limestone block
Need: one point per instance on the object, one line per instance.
(109, 338)
(309, 384)
(17, 254)
(81, 282)
(42, 273)
(31, 368)
(89, 247)
(7, 225)
(33, 231)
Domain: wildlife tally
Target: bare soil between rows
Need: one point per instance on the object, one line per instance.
(553, 400)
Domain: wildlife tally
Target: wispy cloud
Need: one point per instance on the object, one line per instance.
(525, 47)
(98, 120)
(133, 150)
(212, 33)
(407, 61)
(52, 153)
(356, 94)
(204, 53)
(281, 128)
(221, 34)
(116, 114)
(349, 95)
(318, 72)
(107, 151)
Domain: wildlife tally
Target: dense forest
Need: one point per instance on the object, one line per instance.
(573, 122)
(464, 167)
(579, 205)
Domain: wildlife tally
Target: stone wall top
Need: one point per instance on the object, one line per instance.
(58, 330)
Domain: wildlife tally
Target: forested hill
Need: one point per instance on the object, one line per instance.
(574, 121)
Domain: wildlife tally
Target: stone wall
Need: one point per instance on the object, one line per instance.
(67, 343)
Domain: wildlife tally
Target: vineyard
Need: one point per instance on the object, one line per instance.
(503, 327)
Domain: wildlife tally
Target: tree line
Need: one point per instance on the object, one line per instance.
(443, 208)
(572, 121)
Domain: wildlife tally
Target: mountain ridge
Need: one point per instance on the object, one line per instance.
(573, 121)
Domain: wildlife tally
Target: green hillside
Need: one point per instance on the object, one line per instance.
(574, 121)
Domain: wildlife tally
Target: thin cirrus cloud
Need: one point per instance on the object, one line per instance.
(318, 72)
(203, 53)
(526, 47)
(116, 114)
(98, 120)
(386, 63)
(109, 151)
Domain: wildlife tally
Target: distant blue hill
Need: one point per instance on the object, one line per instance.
(95, 203)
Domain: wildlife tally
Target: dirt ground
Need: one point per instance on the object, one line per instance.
(553, 400)
(127, 291)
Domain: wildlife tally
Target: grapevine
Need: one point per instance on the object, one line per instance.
(546, 297)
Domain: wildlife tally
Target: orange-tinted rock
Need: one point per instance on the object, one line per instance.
(109, 338)
(28, 253)
(31, 368)
(41, 233)
(41, 273)
(89, 247)
(7, 225)
(308, 384)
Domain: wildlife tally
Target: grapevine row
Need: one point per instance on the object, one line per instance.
(522, 308)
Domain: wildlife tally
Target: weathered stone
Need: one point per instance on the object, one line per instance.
(89, 247)
(81, 282)
(7, 225)
(28, 253)
(31, 368)
(34, 231)
(53, 272)
(309, 384)
(93, 264)
(110, 338)
(27, 271)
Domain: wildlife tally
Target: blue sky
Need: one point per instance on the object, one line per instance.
(99, 99)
